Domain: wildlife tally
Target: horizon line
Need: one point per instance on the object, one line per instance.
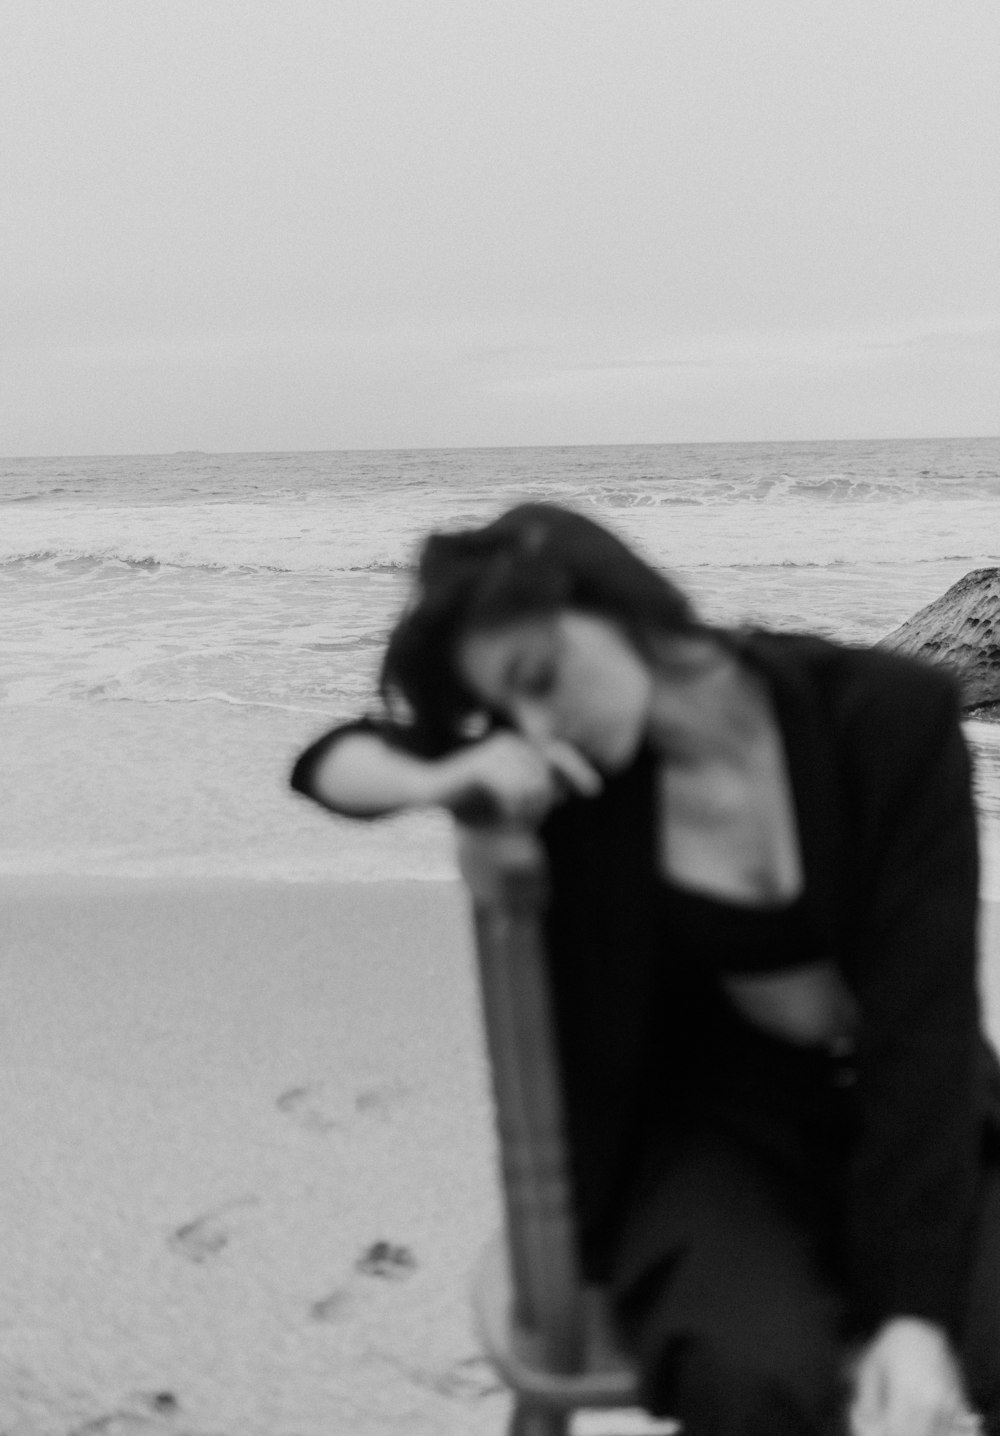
(493, 448)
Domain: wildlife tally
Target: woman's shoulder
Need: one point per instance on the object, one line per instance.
(855, 677)
(884, 713)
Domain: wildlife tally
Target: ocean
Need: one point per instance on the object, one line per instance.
(175, 628)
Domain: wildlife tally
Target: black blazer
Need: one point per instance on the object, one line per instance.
(881, 783)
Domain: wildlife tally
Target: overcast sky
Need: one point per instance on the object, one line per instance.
(308, 224)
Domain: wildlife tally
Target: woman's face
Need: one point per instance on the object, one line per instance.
(571, 676)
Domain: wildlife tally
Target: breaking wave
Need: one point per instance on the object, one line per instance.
(69, 561)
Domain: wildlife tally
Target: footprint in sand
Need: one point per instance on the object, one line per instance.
(117, 1423)
(317, 1109)
(135, 1423)
(332, 1307)
(386, 1260)
(160, 1414)
(311, 1108)
(383, 1099)
(205, 1236)
(148, 1413)
(382, 1259)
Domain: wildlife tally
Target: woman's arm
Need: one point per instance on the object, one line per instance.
(916, 1169)
(913, 1182)
(358, 772)
(914, 1176)
(360, 775)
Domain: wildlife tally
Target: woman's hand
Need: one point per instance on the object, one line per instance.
(907, 1383)
(505, 776)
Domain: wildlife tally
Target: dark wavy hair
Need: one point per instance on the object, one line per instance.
(530, 562)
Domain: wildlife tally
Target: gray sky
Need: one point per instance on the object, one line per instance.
(229, 224)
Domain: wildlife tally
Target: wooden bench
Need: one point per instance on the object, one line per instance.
(546, 1331)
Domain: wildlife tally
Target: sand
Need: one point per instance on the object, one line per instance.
(216, 1099)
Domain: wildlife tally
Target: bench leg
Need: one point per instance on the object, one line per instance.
(527, 1420)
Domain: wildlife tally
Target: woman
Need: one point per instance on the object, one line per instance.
(784, 1121)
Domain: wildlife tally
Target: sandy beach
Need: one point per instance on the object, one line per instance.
(217, 1099)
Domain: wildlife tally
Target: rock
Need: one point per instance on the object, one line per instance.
(961, 629)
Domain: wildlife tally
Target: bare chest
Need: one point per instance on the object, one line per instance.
(731, 831)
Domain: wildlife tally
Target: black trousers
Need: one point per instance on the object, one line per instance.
(726, 1282)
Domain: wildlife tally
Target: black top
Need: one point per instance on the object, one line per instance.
(737, 939)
